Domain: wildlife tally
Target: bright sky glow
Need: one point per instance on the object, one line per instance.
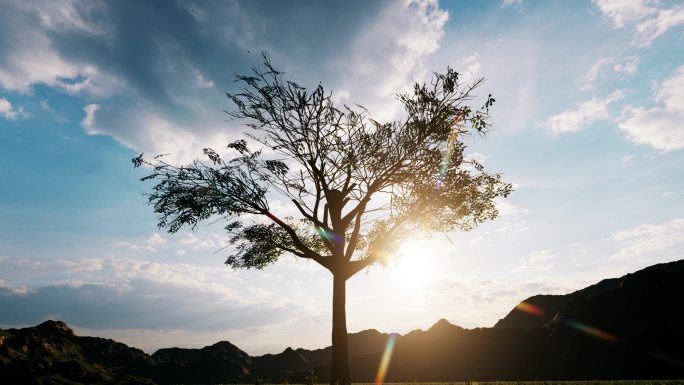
(587, 125)
(414, 269)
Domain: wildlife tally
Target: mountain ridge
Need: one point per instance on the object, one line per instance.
(620, 328)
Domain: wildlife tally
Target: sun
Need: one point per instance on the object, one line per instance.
(415, 267)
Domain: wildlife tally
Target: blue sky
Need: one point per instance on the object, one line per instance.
(588, 126)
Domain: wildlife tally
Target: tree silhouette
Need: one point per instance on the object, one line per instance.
(329, 163)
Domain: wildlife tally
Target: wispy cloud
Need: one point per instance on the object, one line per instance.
(33, 57)
(660, 127)
(623, 12)
(390, 54)
(584, 113)
(149, 244)
(646, 18)
(88, 121)
(490, 298)
(626, 66)
(141, 303)
(644, 240)
(8, 111)
(510, 3)
(512, 227)
(83, 48)
(128, 293)
(537, 262)
(651, 28)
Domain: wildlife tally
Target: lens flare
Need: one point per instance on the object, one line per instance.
(590, 330)
(446, 159)
(529, 308)
(329, 235)
(386, 357)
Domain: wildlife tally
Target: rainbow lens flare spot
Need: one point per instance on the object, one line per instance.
(386, 357)
(329, 235)
(529, 308)
(446, 159)
(590, 330)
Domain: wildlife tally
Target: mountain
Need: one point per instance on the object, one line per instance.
(221, 362)
(634, 330)
(51, 353)
(621, 328)
(550, 305)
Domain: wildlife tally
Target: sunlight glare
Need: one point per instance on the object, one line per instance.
(415, 267)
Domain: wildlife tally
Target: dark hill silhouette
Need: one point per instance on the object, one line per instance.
(221, 362)
(280, 367)
(51, 353)
(639, 324)
(624, 328)
(550, 304)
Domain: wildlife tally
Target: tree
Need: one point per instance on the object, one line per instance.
(359, 186)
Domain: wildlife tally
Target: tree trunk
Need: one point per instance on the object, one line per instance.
(339, 368)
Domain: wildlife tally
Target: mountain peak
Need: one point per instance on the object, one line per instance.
(443, 324)
(55, 327)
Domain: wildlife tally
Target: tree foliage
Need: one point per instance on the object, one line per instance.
(359, 186)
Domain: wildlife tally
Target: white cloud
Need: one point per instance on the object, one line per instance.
(510, 3)
(151, 114)
(37, 62)
(66, 15)
(31, 57)
(59, 117)
(505, 207)
(585, 113)
(145, 130)
(156, 239)
(627, 158)
(213, 242)
(482, 300)
(201, 81)
(150, 245)
(472, 68)
(476, 156)
(623, 12)
(660, 127)
(88, 121)
(592, 74)
(652, 28)
(644, 240)
(135, 246)
(390, 55)
(536, 262)
(626, 66)
(163, 299)
(541, 256)
(9, 112)
(645, 17)
(512, 227)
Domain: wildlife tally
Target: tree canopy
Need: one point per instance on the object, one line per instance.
(329, 162)
(358, 187)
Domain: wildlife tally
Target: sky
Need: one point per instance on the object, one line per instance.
(588, 126)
